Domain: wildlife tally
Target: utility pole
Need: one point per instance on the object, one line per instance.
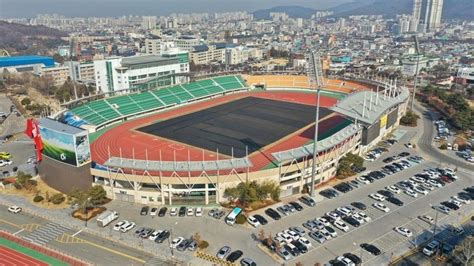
(417, 50)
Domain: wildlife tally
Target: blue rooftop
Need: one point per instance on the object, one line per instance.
(13, 61)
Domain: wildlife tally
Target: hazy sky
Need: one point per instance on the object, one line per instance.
(90, 8)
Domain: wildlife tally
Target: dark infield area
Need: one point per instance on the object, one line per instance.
(248, 122)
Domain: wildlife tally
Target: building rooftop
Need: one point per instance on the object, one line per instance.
(144, 59)
(58, 126)
(11, 61)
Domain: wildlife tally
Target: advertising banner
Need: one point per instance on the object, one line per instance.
(58, 146)
(383, 121)
(82, 148)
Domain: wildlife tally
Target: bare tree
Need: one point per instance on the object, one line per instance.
(261, 235)
(464, 251)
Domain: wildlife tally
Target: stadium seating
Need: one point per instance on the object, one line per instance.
(102, 111)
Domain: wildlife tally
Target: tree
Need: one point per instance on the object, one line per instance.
(261, 235)
(97, 195)
(22, 179)
(197, 238)
(409, 119)
(346, 165)
(26, 101)
(464, 252)
(81, 198)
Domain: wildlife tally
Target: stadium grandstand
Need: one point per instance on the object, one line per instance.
(186, 143)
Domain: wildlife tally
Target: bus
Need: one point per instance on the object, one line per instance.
(230, 219)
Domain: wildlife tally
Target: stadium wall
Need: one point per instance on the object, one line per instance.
(65, 177)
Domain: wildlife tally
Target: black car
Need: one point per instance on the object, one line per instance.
(353, 258)
(358, 170)
(307, 200)
(371, 249)
(293, 251)
(296, 205)
(329, 193)
(465, 196)
(342, 188)
(300, 246)
(260, 219)
(336, 263)
(162, 211)
(450, 205)
(184, 244)
(234, 256)
(404, 154)
(395, 201)
(162, 236)
(388, 160)
(369, 178)
(385, 193)
(144, 210)
(329, 218)
(273, 214)
(350, 220)
(182, 211)
(469, 189)
(359, 205)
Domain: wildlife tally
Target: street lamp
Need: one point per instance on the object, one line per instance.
(84, 208)
(417, 50)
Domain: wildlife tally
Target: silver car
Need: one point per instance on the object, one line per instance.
(222, 253)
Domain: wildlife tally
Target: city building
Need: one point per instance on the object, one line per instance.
(205, 54)
(465, 76)
(24, 63)
(58, 74)
(428, 13)
(81, 72)
(137, 72)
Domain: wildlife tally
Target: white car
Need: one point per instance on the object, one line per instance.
(154, 211)
(5, 162)
(127, 227)
(323, 221)
(409, 145)
(330, 231)
(284, 237)
(294, 235)
(253, 221)
(364, 216)
(173, 211)
(431, 248)
(305, 242)
(14, 209)
(155, 234)
(345, 261)
(417, 179)
(427, 218)
(325, 233)
(341, 225)
(381, 207)
(465, 201)
(427, 186)
(434, 183)
(363, 180)
(411, 193)
(344, 211)
(190, 212)
(393, 189)
(198, 212)
(377, 196)
(119, 225)
(442, 209)
(403, 231)
(176, 242)
(333, 215)
(358, 218)
(420, 190)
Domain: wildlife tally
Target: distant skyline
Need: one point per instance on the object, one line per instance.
(115, 8)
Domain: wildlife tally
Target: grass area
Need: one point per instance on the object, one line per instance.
(32, 253)
(94, 136)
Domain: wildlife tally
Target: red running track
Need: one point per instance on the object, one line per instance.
(123, 139)
(12, 257)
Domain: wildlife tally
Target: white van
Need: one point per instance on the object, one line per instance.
(431, 248)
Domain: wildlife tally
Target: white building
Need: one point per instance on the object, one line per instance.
(123, 73)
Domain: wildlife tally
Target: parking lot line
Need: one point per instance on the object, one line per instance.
(19, 231)
(76, 233)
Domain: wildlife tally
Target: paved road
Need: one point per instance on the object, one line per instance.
(85, 246)
(425, 141)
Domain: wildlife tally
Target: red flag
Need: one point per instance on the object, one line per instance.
(32, 130)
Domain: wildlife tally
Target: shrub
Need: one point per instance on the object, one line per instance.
(17, 186)
(38, 198)
(97, 195)
(57, 198)
(204, 244)
(241, 219)
(26, 101)
(409, 119)
(443, 146)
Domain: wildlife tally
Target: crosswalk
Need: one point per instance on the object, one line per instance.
(46, 233)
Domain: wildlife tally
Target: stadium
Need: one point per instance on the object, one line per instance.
(186, 143)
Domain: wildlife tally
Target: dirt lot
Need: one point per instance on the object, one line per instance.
(42, 189)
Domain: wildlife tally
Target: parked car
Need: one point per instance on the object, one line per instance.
(355, 259)
(234, 256)
(442, 209)
(431, 248)
(163, 236)
(426, 218)
(14, 209)
(247, 262)
(119, 225)
(273, 214)
(127, 227)
(253, 221)
(341, 225)
(222, 253)
(184, 244)
(395, 201)
(162, 211)
(381, 207)
(308, 201)
(153, 211)
(198, 212)
(371, 249)
(260, 219)
(316, 235)
(175, 242)
(296, 205)
(284, 254)
(173, 211)
(182, 211)
(190, 211)
(144, 210)
(403, 231)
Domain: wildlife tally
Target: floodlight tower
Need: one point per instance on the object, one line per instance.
(315, 76)
(417, 51)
